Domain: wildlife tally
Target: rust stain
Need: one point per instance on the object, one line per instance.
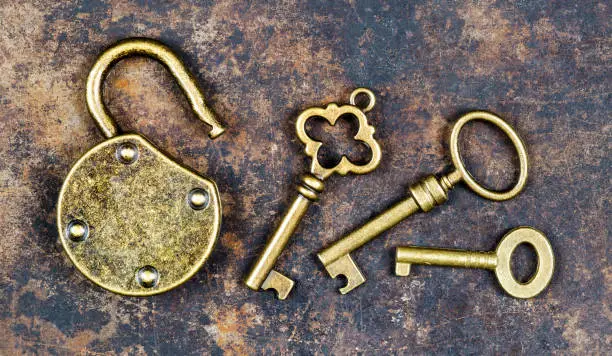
(496, 38)
(231, 331)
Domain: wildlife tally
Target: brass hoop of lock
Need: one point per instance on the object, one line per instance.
(544, 270)
(160, 52)
(462, 173)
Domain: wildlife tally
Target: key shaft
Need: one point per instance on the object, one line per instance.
(406, 256)
(277, 242)
(369, 231)
(262, 274)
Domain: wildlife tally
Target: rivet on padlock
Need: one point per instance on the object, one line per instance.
(131, 219)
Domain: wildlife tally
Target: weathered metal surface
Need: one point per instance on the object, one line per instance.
(139, 216)
(543, 66)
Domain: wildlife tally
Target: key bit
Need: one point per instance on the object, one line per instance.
(424, 196)
(262, 274)
(402, 269)
(346, 267)
(281, 284)
(498, 261)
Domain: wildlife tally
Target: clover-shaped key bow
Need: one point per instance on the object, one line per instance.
(262, 275)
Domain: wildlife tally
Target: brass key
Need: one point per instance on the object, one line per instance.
(262, 275)
(424, 196)
(498, 261)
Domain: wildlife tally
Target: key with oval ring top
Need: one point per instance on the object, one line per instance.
(499, 261)
(262, 274)
(424, 196)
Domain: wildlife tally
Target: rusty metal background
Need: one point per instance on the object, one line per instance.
(543, 66)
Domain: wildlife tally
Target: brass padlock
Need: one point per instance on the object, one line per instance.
(131, 219)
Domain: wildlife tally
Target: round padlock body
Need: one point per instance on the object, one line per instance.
(134, 221)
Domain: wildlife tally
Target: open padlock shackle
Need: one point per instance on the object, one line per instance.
(158, 51)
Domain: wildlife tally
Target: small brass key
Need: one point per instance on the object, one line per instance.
(262, 274)
(424, 196)
(498, 261)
